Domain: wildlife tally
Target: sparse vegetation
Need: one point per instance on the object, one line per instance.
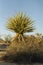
(23, 48)
(8, 39)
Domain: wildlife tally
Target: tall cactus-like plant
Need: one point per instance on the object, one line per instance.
(20, 24)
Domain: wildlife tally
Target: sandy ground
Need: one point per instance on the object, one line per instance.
(3, 63)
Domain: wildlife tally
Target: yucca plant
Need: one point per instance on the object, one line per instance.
(20, 24)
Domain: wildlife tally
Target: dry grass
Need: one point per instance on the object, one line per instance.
(29, 45)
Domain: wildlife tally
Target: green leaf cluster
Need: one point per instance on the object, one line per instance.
(20, 24)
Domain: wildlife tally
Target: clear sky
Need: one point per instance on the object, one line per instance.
(33, 8)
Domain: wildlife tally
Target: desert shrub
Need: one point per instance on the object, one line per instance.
(31, 47)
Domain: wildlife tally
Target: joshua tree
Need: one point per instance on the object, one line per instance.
(20, 24)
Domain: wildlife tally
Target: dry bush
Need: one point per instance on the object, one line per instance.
(30, 45)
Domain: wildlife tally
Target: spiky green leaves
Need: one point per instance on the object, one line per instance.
(20, 24)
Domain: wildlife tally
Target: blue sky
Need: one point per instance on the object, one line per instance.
(33, 8)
